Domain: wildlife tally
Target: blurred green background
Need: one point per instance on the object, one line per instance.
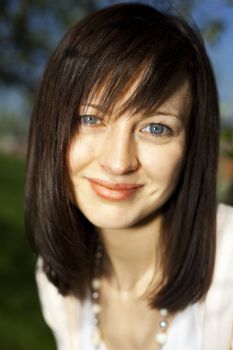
(29, 30)
(21, 325)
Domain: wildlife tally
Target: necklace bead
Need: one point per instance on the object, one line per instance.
(95, 295)
(96, 338)
(96, 308)
(96, 283)
(163, 324)
(95, 321)
(99, 254)
(163, 312)
(160, 337)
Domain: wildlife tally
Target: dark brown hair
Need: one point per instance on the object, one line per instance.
(109, 47)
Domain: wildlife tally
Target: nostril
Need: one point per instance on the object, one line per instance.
(119, 167)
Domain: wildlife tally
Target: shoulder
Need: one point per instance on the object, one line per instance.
(59, 312)
(224, 217)
(52, 304)
(217, 308)
(224, 253)
(225, 228)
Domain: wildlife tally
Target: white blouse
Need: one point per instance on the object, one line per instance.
(202, 326)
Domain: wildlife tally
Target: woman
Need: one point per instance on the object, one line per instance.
(121, 183)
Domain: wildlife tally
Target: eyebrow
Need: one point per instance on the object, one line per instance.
(166, 114)
(97, 107)
(154, 114)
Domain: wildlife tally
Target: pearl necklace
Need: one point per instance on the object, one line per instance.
(160, 337)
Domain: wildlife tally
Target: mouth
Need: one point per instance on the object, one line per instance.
(113, 191)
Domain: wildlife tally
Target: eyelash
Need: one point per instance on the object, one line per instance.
(81, 117)
(168, 132)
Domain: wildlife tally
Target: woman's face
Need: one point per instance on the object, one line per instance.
(124, 169)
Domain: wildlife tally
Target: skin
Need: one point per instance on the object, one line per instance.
(124, 150)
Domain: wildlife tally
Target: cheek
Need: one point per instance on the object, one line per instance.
(163, 163)
(80, 154)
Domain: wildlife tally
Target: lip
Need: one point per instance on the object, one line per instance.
(114, 186)
(113, 191)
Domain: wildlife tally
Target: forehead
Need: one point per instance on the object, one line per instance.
(177, 99)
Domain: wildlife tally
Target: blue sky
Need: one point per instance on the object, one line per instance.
(221, 55)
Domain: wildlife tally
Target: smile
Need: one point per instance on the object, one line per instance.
(113, 191)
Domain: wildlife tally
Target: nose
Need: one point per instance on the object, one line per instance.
(119, 151)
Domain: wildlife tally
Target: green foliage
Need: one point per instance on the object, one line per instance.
(226, 141)
(29, 31)
(212, 30)
(13, 125)
(21, 323)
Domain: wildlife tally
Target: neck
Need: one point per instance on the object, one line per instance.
(131, 256)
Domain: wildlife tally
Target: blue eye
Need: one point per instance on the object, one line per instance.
(89, 120)
(156, 129)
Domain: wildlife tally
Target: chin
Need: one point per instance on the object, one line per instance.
(112, 224)
(118, 222)
(115, 216)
